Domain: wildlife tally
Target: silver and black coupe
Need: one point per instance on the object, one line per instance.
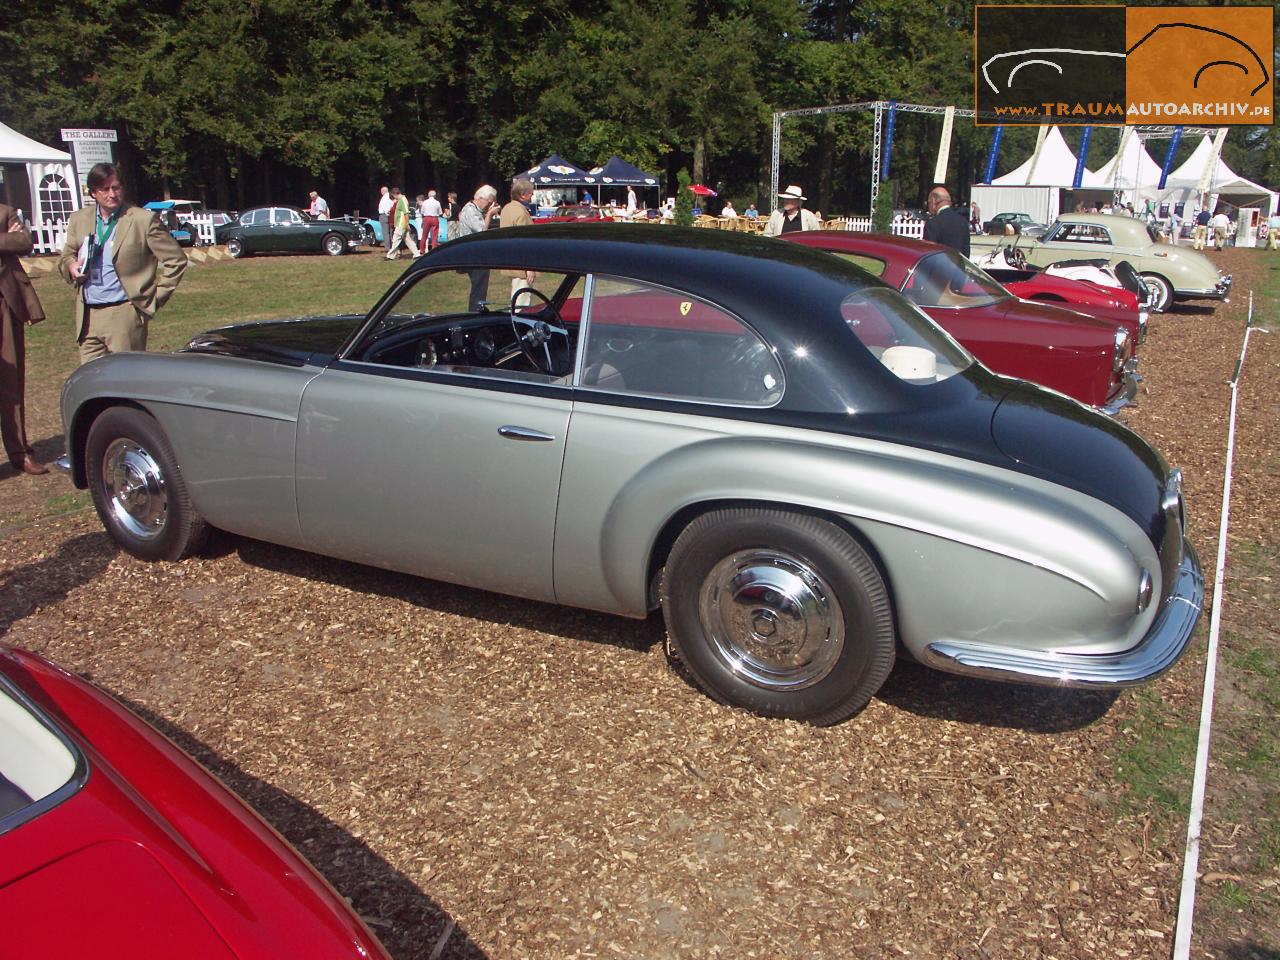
(789, 458)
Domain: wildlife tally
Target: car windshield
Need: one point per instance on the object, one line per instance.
(34, 761)
(898, 334)
(947, 279)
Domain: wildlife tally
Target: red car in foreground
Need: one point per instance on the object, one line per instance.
(1084, 357)
(114, 843)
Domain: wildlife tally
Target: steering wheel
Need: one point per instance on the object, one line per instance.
(539, 333)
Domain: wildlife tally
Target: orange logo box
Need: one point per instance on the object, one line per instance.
(1200, 65)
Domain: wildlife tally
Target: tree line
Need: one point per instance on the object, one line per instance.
(239, 102)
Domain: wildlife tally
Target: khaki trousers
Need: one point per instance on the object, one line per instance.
(13, 386)
(1273, 238)
(117, 329)
(1201, 235)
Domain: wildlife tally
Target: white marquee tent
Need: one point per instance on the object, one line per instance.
(1036, 187)
(1131, 170)
(1055, 167)
(1223, 182)
(39, 180)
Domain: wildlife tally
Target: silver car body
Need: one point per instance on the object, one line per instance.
(992, 571)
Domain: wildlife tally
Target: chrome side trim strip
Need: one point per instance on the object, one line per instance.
(1156, 653)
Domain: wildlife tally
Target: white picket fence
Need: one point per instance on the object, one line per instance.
(203, 223)
(902, 226)
(47, 238)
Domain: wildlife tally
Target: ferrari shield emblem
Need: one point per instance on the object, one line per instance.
(685, 307)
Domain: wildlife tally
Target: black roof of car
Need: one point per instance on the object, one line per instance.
(785, 290)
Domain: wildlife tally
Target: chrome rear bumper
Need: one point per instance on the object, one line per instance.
(1158, 651)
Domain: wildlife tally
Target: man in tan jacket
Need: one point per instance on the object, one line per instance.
(19, 306)
(516, 214)
(124, 263)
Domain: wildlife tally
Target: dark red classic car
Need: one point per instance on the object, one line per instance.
(571, 213)
(114, 843)
(1084, 357)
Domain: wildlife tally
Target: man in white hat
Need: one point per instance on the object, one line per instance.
(791, 216)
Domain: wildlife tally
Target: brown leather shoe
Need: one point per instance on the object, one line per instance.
(32, 466)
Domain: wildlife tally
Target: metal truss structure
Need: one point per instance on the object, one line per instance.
(879, 107)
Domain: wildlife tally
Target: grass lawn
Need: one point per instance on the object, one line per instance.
(211, 294)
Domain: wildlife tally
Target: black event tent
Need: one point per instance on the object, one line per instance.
(555, 171)
(618, 173)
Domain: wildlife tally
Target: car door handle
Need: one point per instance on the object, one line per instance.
(523, 433)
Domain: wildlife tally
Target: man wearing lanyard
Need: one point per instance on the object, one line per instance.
(125, 266)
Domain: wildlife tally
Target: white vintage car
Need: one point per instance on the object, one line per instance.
(1173, 273)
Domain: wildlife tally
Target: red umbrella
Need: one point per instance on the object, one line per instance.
(702, 191)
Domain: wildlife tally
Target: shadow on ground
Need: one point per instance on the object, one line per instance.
(409, 923)
(568, 622)
(46, 451)
(911, 687)
(944, 696)
(25, 589)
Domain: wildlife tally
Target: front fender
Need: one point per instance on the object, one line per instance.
(232, 424)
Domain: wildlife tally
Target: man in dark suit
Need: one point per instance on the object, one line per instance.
(19, 306)
(946, 224)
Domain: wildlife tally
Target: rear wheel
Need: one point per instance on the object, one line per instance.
(138, 489)
(780, 613)
(1161, 291)
(334, 245)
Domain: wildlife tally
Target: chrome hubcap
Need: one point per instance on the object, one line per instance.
(771, 619)
(135, 489)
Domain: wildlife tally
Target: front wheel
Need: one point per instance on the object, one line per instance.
(1161, 291)
(138, 489)
(235, 247)
(780, 613)
(334, 245)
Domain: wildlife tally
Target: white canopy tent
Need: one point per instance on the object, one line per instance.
(1036, 186)
(1223, 181)
(1131, 171)
(39, 180)
(1054, 167)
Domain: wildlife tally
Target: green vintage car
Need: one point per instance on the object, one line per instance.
(286, 229)
(1173, 273)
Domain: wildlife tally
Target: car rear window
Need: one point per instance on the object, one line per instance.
(898, 334)
(35, 761)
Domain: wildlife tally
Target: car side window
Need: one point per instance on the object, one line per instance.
(280, 215)
(295, 217)
(870, 264)
(1083, 233)
(249, 219)
(648, 340)
(501, 324)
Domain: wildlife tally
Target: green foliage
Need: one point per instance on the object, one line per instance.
(684, 199)
(882, 215)
(205, 92)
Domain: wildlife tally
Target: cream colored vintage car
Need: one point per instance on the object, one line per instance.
(1173, 273)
